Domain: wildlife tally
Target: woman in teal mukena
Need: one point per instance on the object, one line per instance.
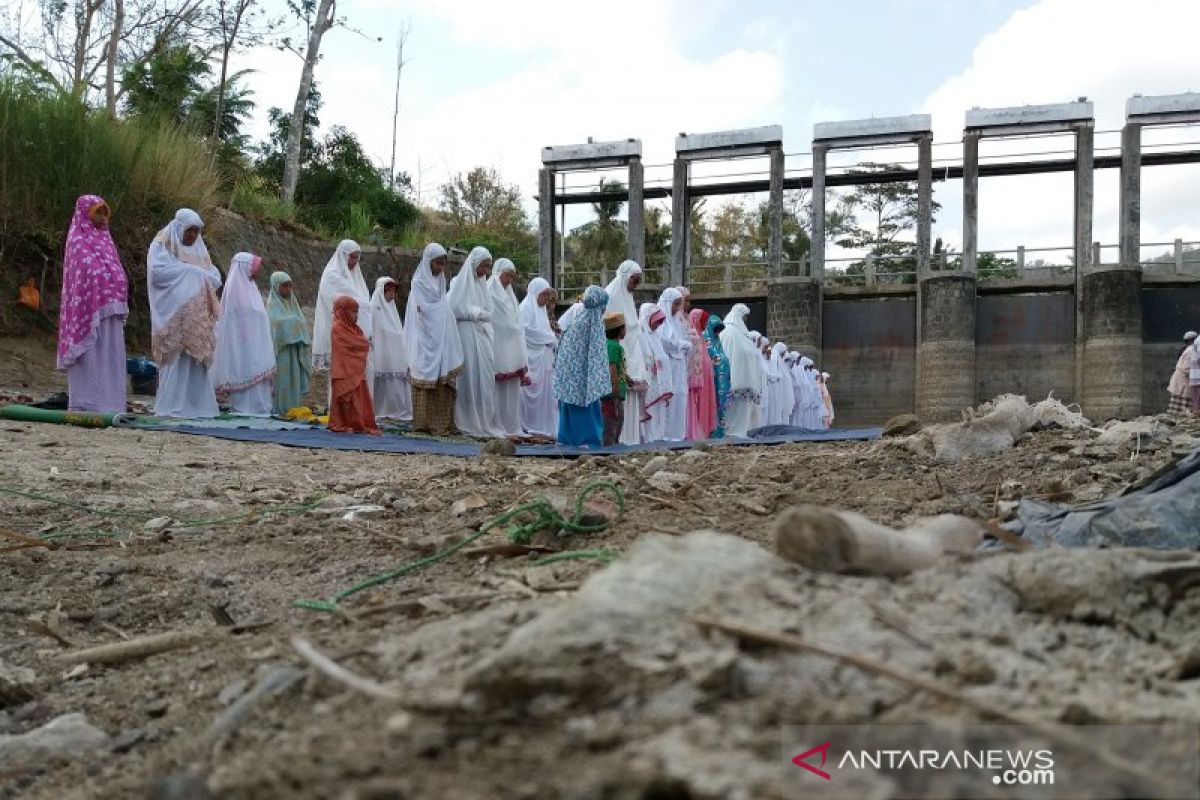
(289, 332)
(712, 332)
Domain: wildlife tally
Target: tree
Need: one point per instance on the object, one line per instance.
(83, 46)
(166, 85)
(891, 209)
(318, 20)
(658, 238)
(271, 154)
(235, 22)
(603, 242)
(401, 40)
(480, 199)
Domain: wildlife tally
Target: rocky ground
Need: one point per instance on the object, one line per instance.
(487, 674)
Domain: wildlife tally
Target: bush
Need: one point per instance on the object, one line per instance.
(53, 149)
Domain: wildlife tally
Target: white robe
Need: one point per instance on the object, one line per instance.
(338, 279)
(244, 361)
(747, 377)
(511, 360)
(185, 391)
(387, 363)
(621, 300)
(475, 400)
(677, 345)
(658, 376)
(539, 409)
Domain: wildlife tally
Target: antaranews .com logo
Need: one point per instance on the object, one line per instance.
(993, 761)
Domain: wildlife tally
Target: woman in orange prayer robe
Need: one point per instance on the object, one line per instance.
(350, 408)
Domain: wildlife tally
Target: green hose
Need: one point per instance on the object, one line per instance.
(82, 419)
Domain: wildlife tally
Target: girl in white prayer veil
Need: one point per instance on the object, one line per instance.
(388, 360)
(677, 345)
(475, 402)
(539, 407)
(512, 363)
(244, 364)
(342, 276)
(435, 354)
(182, 283)
(785, 391)
(746, 374)
(620, 299)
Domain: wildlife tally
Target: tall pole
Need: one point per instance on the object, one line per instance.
(400, 40)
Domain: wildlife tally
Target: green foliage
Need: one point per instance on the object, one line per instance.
(53, 149)
(479, 209)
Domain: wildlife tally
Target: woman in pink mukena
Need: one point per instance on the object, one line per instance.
(91, 317)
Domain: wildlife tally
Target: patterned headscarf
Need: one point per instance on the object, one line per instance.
(94, 283)
(581, 368)
(288, 325)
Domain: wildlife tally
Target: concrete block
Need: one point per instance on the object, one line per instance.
(1056, 115)
(901, 128)
(1151, 109)
(767, 135)
(557, 155)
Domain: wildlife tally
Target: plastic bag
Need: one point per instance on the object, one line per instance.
(29, 297)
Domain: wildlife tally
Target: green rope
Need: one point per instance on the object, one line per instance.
(544, 517)
(605, 554)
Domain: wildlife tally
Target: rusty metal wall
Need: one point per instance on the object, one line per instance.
(869, 347)
(1167, 313)
(1025, 344)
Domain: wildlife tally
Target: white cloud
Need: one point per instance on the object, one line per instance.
(1055, 51)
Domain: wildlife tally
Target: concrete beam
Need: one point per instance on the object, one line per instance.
(680, 217)
(1084, 192)
(1130, 225)
(877, 130)
(637, 213)
(775, 216)
(1029, 119)
(592, 155)
(817, 244)
(724, 144)
(970, 210)
(1164, 109)
(546, 224)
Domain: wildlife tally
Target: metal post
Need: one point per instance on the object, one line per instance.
(1020, 258)
(869, 269)
(1131, 195)
(637, 213)
(775, 216)
(1179, 256)
(970, 256)
(924, 202)
(729, 279)
(1096, 259)
(680, 208)
(546, 224)
(817, 245)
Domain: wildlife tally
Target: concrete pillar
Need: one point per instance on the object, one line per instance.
(924, 202)
(1112, 344)
(794, 314)
(945, 346)
(680, 208)
(637, 213)
(546, 224)
(817, 261)
(775, 216)
(970, 212)
(1131, 195)
(1084, 183)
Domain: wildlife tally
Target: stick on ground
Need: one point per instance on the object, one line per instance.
(331, 669)
(136, 648)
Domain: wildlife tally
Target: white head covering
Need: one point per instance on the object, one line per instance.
(434, 349)
(339, 279)
(389, 353)
(673, 337)
(621, 299)
(1189, 336)
(509, 344)
(245, 354)
(745, 360)
(655, 357)
(468, 291)
(570, 314)
(176, 275)
(534, 318)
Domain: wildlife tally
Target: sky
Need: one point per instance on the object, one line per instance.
(490, 83)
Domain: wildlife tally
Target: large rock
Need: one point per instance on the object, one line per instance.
(16, 684)
(68, 736)
(902, 425)
(632, 615)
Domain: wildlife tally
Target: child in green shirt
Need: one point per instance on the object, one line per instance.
(612, 406)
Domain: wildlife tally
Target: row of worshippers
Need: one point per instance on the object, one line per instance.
(1184, 387)
(469, 359)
